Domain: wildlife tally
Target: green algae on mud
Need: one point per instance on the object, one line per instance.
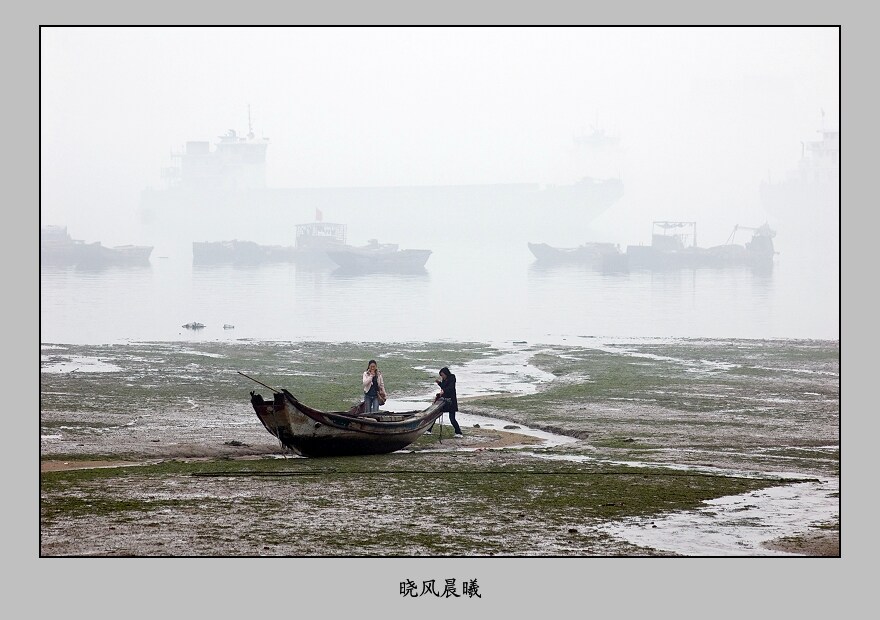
(325, 375)
(512, 505)
(771, 401)
(213, 482)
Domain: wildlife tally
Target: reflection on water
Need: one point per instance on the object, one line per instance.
(472, 294)
(344, 272)
(689, 302)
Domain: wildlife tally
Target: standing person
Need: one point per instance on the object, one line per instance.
(374, 388)
(447, 391)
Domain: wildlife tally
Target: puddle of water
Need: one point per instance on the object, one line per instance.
(737, 525)
(727, 526)
(77, 364)
(508, 373)
(549, 439)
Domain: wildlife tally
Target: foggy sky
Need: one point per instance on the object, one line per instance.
(704, 114)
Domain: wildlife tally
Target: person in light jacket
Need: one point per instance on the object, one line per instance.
(374, 388)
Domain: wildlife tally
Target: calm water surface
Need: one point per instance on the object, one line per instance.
(488, 294)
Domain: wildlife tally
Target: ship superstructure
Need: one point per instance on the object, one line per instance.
(805, 203)
(813, 185)
(235, 163)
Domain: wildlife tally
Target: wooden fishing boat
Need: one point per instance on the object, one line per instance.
(314, 433)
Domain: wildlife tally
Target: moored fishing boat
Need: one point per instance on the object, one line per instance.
(673, 245)
(379, 257)
(57, 248)
(314, 433)
(239, 253)
(592, 253)
(315, 239)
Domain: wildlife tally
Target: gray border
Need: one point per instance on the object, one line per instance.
(806, 587)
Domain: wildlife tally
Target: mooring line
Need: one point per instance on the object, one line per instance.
(271, 474)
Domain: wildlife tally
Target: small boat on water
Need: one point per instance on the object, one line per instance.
(314, 433)
(596, 254)
(315, 239)
(237, 252)
(673, 245)
(59, 249)
(379, 257)
(312, 241)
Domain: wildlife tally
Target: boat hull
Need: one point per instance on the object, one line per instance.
(647, 257)
(313, 433)
(57, 248)
(593, 253)
(237, 252)
(357, 260)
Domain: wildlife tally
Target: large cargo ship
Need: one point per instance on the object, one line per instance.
(804, 203)
(813, 185)
(216, 191)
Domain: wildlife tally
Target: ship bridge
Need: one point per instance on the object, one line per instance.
(235, 162)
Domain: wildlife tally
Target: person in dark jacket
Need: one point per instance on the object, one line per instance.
(447, 391)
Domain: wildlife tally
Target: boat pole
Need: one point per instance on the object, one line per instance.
(260, 382)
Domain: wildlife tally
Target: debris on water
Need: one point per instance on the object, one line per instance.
(193, 325)
(510, 427)
(228, 326)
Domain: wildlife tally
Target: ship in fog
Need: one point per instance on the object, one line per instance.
(805, 201)
(216, 191)
(811, 188)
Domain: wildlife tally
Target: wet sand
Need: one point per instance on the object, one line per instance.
(477, 439)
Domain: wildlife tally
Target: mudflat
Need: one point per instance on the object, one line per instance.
(152, 449)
